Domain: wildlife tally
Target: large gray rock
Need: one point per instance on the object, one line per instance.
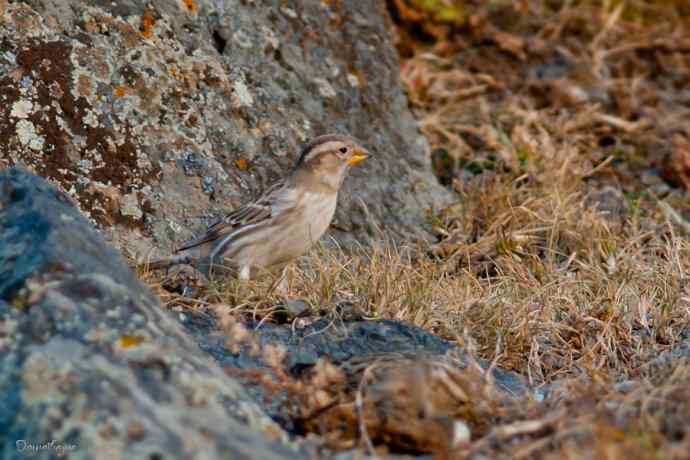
(91, 362)
(156, 116)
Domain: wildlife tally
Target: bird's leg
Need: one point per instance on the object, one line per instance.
(244, 273)
(281, 283)
(243, 277)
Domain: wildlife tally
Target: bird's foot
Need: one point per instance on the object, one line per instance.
(185, 280)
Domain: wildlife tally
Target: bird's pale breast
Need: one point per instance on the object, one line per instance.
(294, 233)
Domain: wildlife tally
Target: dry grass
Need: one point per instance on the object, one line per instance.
(562, 305)
(563, 259)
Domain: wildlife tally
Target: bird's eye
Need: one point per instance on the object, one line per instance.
(343, 149)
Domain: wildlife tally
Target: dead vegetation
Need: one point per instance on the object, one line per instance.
(564, 129)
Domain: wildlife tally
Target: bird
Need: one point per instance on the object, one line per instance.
(284, 222)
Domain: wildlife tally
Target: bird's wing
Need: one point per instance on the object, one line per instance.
(259, 210)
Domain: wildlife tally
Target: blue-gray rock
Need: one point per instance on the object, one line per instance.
(91, 365)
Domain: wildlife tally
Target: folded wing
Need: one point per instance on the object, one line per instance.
(251, 213)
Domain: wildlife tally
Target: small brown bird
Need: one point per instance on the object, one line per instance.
(285, 221)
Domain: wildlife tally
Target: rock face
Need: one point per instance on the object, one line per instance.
(156, 116)
(89, 359)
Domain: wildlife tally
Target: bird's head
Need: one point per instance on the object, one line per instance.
(328, 158)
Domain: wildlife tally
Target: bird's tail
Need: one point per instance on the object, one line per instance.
(165, 262)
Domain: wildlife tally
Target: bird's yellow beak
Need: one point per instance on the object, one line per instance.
(358, 156)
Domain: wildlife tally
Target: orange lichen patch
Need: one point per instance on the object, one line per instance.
(241, 164)
(136, 431)
(147, 23)
(360, 76)
(337, 3)
(90, 25)
(174, 71)
(128, 341)
(120, 90)
(190, 6)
